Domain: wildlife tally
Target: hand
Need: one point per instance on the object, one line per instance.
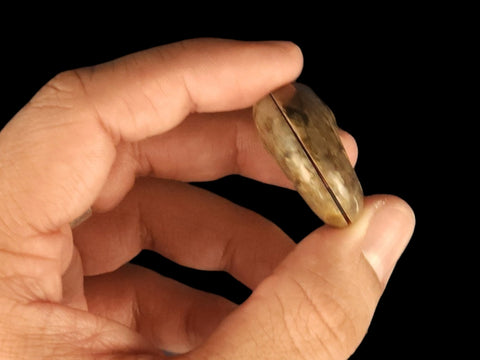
(172, 112)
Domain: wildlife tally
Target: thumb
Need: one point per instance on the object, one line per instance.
(320, 300)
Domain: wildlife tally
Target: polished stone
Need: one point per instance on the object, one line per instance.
(300, 131)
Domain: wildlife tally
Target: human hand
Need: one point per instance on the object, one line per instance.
(168, 113)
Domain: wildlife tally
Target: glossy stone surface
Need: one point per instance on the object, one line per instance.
(300, 131)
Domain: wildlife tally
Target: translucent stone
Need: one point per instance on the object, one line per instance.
(300, 131)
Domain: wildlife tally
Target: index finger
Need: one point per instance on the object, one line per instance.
(57, 152)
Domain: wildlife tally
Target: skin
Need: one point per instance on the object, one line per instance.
(170, 115)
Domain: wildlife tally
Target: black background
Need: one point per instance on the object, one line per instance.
(377, 68)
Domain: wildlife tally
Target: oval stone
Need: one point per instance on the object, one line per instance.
(300, 131)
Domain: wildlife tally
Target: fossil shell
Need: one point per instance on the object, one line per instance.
(300, 131)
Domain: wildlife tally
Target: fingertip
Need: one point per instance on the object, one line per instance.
(378, 201)
(350, 145)
(293, 53)
(278, 63)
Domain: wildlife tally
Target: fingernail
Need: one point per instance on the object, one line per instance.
(389, 230)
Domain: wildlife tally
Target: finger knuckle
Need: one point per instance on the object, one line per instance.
(62, 91)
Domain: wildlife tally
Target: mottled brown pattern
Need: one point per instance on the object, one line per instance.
(300, 131)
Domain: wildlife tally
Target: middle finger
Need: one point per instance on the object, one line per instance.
(186, 224)
(204, 147)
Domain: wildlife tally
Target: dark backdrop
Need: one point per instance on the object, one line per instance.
(374, 67)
